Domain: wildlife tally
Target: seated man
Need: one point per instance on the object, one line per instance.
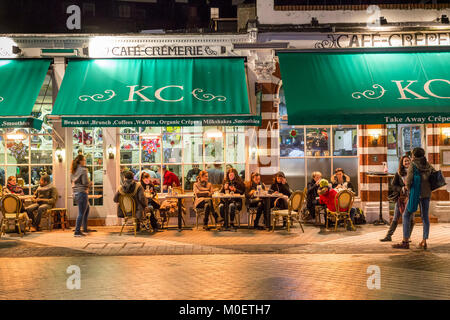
(135, 190)
(340, 180)
(45, 198)
(327, 196)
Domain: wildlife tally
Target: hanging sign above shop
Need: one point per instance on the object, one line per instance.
(245, 120)
(21, 123)
(377, 40)
(144, 50)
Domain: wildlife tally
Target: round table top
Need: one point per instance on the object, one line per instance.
(227, 195)
(381, 175)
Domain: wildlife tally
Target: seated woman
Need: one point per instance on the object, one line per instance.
(232, 183)
(280, 187)
(340, 180)
(12, 186)
(311, 193)
(252, 187)
(203, 190)
(153, 205)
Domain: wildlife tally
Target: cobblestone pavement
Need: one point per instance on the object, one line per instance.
(256, 276)
(246, 264)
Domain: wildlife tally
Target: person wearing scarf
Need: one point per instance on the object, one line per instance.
(13, 187)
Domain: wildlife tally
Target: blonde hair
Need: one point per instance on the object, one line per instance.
(315, 173)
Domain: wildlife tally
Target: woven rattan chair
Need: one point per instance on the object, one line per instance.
(128, 207)
(295, 204)
(11, 212)
(344, 201)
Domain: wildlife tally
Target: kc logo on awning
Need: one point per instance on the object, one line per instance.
(170, 94)
(408, 89)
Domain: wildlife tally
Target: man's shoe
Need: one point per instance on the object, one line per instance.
(37, 229)
(385, 239)
(89, 230)
(219, 219)
(206, 228)
(79, 234)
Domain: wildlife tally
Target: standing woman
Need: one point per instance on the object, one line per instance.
(80, 186)
(232, 184)
(418, 184)
(399, 187)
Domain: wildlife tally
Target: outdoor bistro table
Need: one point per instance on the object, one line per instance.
(266, 199)
(179, 198)
(227, 197)
(380, 175)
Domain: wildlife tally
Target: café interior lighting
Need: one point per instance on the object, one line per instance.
(59, 154)
(446, 134)
(375, 134)
(111, 152)
(15, 136)
(213, 134)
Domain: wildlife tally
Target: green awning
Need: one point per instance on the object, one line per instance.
(366, 88)
(131, 88)
(20, 83)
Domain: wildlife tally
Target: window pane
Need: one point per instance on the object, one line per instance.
(97, 190)
(350, 166)
(129, 149)
(292, 142)
(2, 176)
(317, 143)
(41, 149)
(172, 148)
(294, 169)
(171, 129)
(155, 175)
(2, 149)
(37, 172)
(129, 130)
(193, 147)
(150, 150)
(190, 175)
(17, 151)
(323, 165)
(345, 141)
(134, 169)
(176, 169)
(98, 176)
(215, 173)
(236, 147)
(150, 130)
(213, 144)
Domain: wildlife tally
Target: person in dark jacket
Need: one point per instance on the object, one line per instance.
(134, 189)
(340, 180)
(311, 193)
(401, 194)
(45, 198)
(146, 183)
(232, 184)
(80, 187)
(251, 189)
(280, 186)
(419, 193)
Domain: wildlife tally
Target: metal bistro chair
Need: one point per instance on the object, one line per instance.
(11, 212)
(128, 207)
(344, 201)
(251, 211)
(293, 212)
(200, 212)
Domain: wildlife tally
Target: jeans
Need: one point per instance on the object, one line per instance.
(394, 223)
(40, 210)
(232, 210)
(424, 208)
(83, 210)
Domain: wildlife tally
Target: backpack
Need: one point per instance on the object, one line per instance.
(359, 217)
